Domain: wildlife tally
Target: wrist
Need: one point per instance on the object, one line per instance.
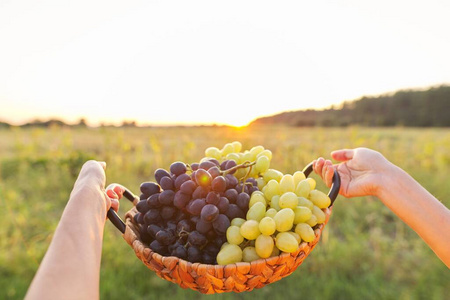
(91, 200)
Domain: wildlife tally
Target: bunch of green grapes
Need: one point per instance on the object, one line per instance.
(280, 215)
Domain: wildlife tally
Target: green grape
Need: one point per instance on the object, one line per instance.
(288, 200)
(237, 146)
(234, 235)
(227, 149)
(284, 219)
(275, 202)
(229, 254)
(233, 156)
(267, 226)
(262, 164)
(302, 214)
(271, 212)
(298, 176)
(240, 173)
(257, 196)
(224, 244)
(267, 153)
(256, 212)
(272, 174)
(302, 201)
(249, 254)
(303, 189)
(319, 198)
(286, 242)
(264, 245)
(250, 229)
(297, 237)
(247, 156)
(305, 232)
(237, 222)
(320, 215)
(213, 152)
(271, 189)
(312, 221)
(255, 151)
(287, 184)
(261, 183)
(312, 183)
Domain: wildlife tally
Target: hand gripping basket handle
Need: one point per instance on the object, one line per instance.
(118, 222)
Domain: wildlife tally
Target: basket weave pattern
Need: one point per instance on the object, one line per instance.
(210, 279)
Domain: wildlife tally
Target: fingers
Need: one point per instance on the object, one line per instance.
(342, 155)
(115, 192)
(325, 169)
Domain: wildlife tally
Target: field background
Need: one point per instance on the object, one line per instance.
(365, 251)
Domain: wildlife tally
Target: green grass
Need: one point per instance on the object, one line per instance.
(365, 251)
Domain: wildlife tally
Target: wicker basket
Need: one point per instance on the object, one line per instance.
(210, 279)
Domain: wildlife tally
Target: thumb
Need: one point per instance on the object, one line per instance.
(342, 155)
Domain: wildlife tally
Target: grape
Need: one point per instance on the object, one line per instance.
(288, 200)
(272, 189)
(194, 166)
(203, 178)
(298, 176)
(171, 225)
(166, 197)
(167, 212)
(237, 146)
(267, 226)
(184, 226)
(153, 201)
(234, 212)
(178, 168)
(138, 217)
(200, 192)
(303, 189)
(167, 183)
(229, 254)
(203, 227)
(142, 197)
(213, 152)
(249, 254)
(275, 202)
(195, 207)
(180, 252)
(256, 212)
(158, 247)
(267, 153)
(312, 183)
(234, 235)
(160, 173)
(284, 219)
(271, 212)
(142, 206)
(305, 232)
(145, 237)
(255, 151)
(149, 188)
(211, 235)
(152, 216)
(231, 181)
(188, 187)
(208, 258)
(242, 188)
(214, 171)
(194, 254)
(206, 165)
(213, 198)
(182, 178)
(165, 237)
(287, 184)
(250, 229)
(319, 198)
(221, 224)
(209, 213)
(257, 197)
(302, 214)
(212, 249)
(153, 229)
(302, 201)
(223, 205)
(180, 200)
(243, 200)
(295, 235)
(286, 242)
(231, 194)
(312, 221)
(262, 164)
(197, 239)
(320, 215)
(237, 222)
(219, 184)
(264, 246)
(230, 164)
(272, 174)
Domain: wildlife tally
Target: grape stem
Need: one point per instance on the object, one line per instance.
(243, 165)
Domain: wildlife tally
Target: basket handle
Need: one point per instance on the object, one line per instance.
(114, 217)
(335, 186)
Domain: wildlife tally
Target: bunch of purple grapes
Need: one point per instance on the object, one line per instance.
(187, 211)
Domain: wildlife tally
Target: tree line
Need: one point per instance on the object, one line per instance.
(418, 108)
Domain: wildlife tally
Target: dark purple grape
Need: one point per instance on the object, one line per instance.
(252, 189)
(208, 258)
(167, 183)
(195, 207)
(203, 227)
(197, 239)
(142, 206)
(205, 165)
(252, 181)
(143, 197)
(149, 188)
(181, 179)
(188, 187)
(158, 248)
(195, 219)
(212, 198)
(168, 212)
(223, 165)
(203, 178)
(241, 188)
(223, 205)
(194, 254)
(152, 216)
(221, 224)
(214, 171)
(165, 237)
(212, 249)
(231, 181)
(160, 173)
(200, 192)
(219, 184)
(211, 235)
(172, 226)
(230, 164)
(166, 197)
(172, 247)
(215, 161)
(136, 218)
(180, 200)
(243, 199)
(153, 201)
(209, 213)
(219, 240)
(152, 229)
(180, 252)
(184, 226)
(181, 215)
(234, 212)
(194, 166)
(145, 237)
(178, 168)
(231, 194)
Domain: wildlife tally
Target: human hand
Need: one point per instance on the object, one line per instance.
(361, 170)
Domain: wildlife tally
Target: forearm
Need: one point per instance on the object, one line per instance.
(71, 266)
(426, 215)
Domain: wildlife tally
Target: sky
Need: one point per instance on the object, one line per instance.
(211, 62)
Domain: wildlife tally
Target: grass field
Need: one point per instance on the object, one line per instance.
(365, 251)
